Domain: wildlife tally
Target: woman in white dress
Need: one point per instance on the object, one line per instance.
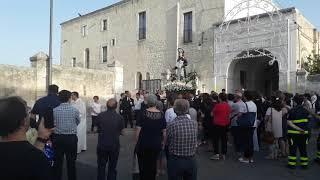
(274, 119)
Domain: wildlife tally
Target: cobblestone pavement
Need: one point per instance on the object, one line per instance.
(229, 169)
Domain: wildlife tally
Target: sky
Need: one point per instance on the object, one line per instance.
(24, 24)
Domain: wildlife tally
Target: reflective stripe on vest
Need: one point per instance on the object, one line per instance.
(304, 159)
(300, 121)
(297, 132)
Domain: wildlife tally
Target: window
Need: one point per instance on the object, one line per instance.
(104, 25)
(74, 62)
(113, 42)
(187, 29)
(86, 58)
(104, 54)
(142, 25)
(84, 31)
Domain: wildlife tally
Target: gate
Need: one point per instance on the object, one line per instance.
(151, 85)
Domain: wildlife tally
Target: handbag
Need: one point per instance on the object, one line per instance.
(247, 119)
(268, 135)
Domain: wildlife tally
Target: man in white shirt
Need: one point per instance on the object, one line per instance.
(170, 115)
(82, 127)
(137, 106)
(95, 111)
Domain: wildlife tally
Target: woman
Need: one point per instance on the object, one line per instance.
(246, 132)
(221, 121)
(205, 108)
(274, 116)
(151, 137)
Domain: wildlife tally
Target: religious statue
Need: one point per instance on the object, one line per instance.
(181, 65)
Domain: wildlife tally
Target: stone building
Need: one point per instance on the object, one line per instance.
(143, 36)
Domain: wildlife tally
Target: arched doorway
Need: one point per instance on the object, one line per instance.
(253, 71)
(87, 58)
(139, 80)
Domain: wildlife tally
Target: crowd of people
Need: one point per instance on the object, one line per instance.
(169, 127)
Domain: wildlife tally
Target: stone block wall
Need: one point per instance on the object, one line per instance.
(30, 82)
(18, 81)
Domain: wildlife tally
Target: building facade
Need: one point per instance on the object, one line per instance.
(143, 36)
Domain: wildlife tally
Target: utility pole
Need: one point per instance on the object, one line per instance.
(49, 62)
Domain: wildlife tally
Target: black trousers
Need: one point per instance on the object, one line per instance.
(235, 131)
(93, 122)
(182, 168)
(246, 135)
(65, 145)
(110, 157)
(318, 148)
(127, 116)
(147, 159)
(298, 142)
(220, 136)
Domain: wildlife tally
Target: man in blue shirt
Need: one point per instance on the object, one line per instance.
(45, 104)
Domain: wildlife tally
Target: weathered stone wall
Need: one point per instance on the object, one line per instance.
(313, 83)
(30, 82)
(18, 81)
(87, 82)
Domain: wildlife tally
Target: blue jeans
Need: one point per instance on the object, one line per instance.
(182, 168)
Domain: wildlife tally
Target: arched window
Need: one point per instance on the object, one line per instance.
(86, 58)
(139, 80)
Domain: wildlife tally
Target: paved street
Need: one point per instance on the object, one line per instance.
(208, 170)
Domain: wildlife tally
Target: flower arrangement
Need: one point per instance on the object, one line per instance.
(178, 86)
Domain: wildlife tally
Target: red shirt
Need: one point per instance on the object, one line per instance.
(221, 114)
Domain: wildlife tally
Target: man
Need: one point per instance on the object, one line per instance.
(18, 158)
(95, 110)
(223, 91)
(182, 144)
(110, 126)
(82, 127)
(126, 107)
(66, 120)
(137, 106)
(237, 107)
(298, 133)
(45, 104)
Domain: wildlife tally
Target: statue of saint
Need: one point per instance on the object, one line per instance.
(181, 65)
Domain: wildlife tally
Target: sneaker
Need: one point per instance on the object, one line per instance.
(215, 157)
(242, 160)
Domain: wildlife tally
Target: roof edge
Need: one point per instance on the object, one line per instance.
(285, 10)
(94, 12)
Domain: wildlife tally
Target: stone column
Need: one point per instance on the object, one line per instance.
(117, 68)
(39, 63)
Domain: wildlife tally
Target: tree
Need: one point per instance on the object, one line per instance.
(313, 64)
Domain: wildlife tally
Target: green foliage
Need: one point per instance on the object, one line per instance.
(313, 64)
